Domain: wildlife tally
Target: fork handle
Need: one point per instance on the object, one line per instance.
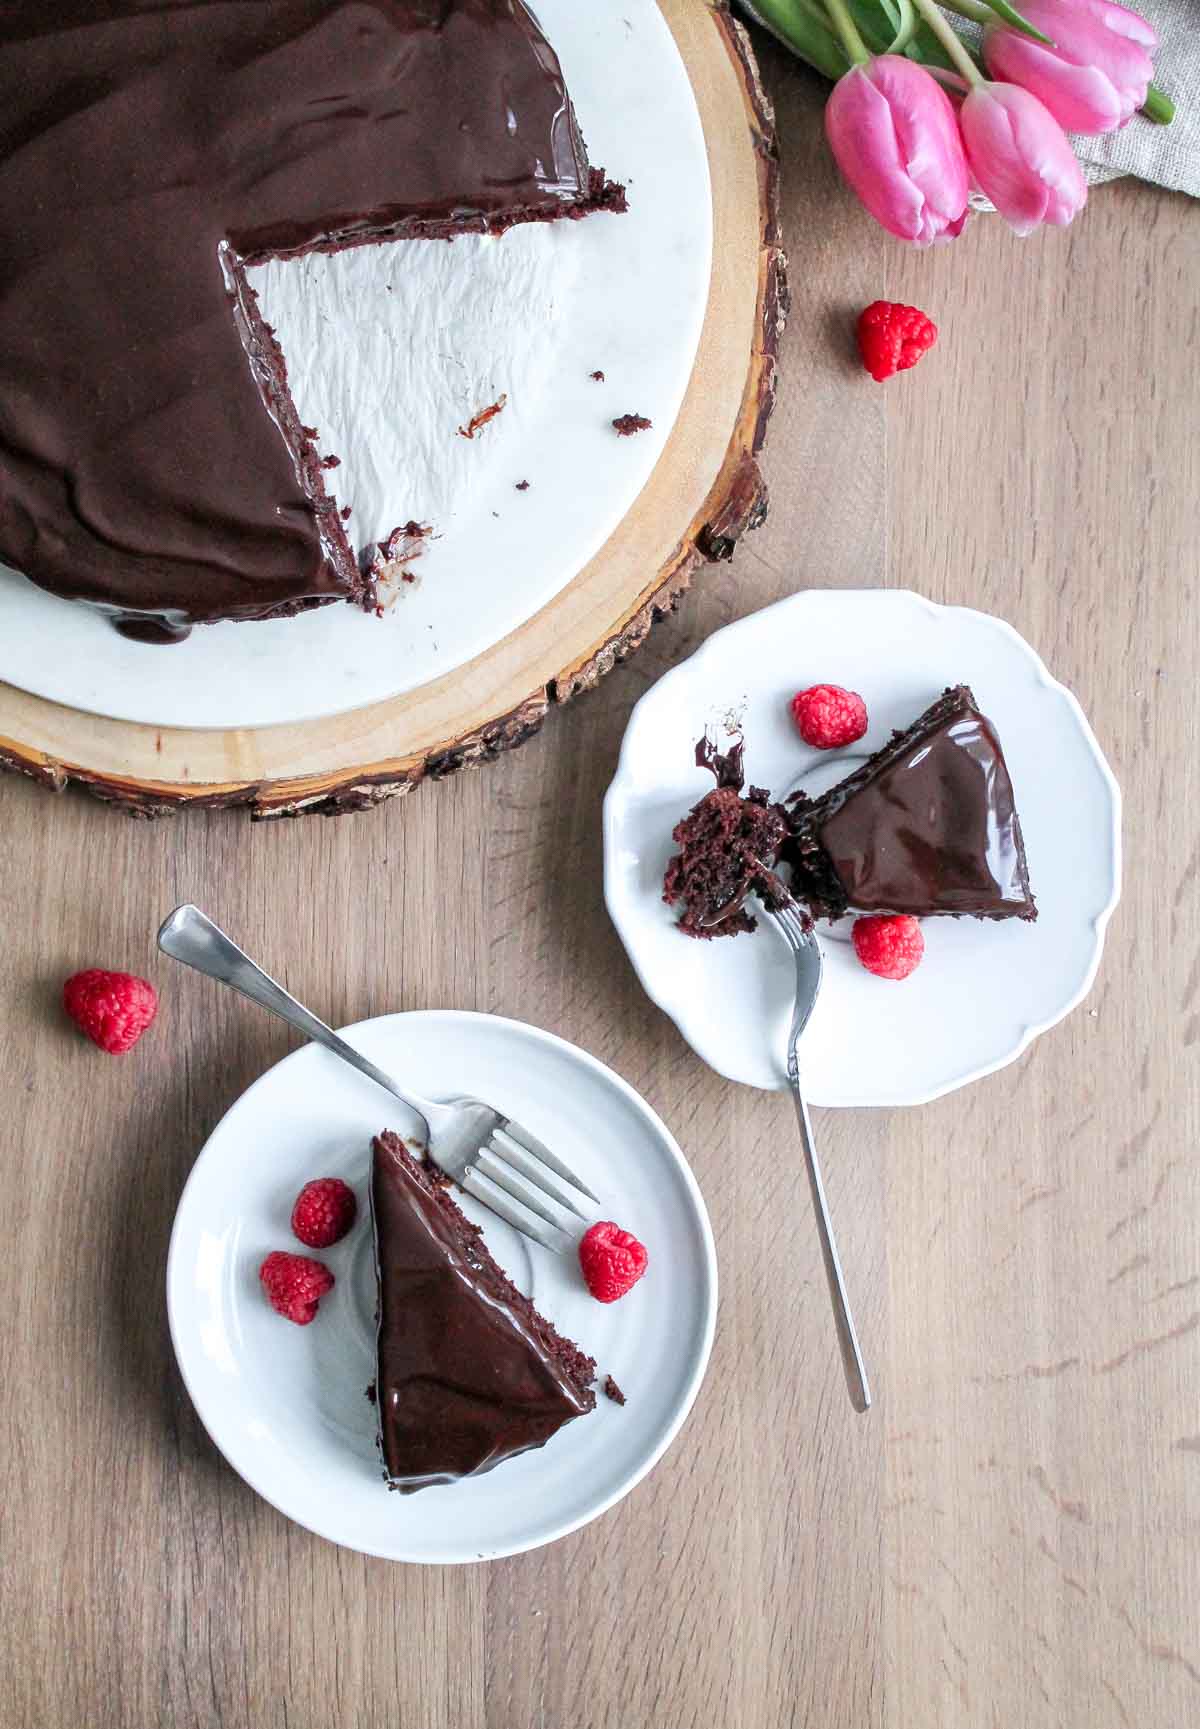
(189, 936)
(852, 1361)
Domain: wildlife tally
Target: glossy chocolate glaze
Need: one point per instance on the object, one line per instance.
(468, 1373)
(927, 825)
(150, 456)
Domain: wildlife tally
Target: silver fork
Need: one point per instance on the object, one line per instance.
(493, 1158)
(796, 928)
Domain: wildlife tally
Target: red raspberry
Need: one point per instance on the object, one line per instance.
(294, 1285)
(891, 338)
(890, 945)
(612, 1260)
(828, 716)
(324, 1212)
(113, 1009)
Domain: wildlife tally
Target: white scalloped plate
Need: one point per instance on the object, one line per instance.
(984, 990)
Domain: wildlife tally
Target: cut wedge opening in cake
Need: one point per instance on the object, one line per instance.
(468, 1373)
(160, 170)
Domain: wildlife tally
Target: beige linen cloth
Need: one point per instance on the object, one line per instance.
(1167, 155)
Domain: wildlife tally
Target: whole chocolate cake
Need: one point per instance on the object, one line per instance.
(926, 825)
(469, 1374)
(151, 457)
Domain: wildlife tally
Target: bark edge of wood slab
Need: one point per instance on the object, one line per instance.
(354, 761)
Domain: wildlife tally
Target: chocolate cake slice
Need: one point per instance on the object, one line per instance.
(927, 825)
(727, 844)
(469, 1374)
(152, 460)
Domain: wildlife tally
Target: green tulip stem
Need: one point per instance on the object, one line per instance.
(1158, 106)
(955, 48)
(846, 28)
(979, 13)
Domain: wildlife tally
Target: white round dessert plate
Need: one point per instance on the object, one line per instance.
(287, 1405)
(392, 349)
(985, 989)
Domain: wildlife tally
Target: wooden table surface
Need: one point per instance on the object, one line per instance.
(1011, 1537)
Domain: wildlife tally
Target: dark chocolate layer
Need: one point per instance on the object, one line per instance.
(151, 459)
(469, 1374)
(927, 825)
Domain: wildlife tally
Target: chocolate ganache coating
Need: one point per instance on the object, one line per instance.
(151, 459)
(469, 1374)
(927, 825)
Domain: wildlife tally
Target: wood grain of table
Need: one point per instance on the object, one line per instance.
(1011, 1537)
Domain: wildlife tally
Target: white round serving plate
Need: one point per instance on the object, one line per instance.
(286, 1405)
(985, 989)
(390, 350)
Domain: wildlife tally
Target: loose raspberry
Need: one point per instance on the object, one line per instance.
(294, 1285)
(612, 1260)
(891, 338)
(324, 1212)
(828, 716)
(113, 1009)
(890, 945)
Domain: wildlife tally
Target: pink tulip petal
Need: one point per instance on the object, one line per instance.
(1094, 41)
(1002, 177)
(858, 123)
(894, 135)
(1049, 155)
(1021, 157)
(927, 134)
(1117, 20)
(1081, 98)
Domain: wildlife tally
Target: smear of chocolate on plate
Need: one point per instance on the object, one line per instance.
(481, 419)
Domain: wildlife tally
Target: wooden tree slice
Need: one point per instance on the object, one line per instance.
(706, 490)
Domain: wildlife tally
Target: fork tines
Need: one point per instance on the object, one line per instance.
(516, 1164)
(541, 1163)
(793, 918)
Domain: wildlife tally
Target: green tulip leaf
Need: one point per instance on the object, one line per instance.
(1010, 15)
(876, 21)
(802, 26)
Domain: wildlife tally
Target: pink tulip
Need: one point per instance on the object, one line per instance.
(892, 129)
(1097, 73)
(1020, 157)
